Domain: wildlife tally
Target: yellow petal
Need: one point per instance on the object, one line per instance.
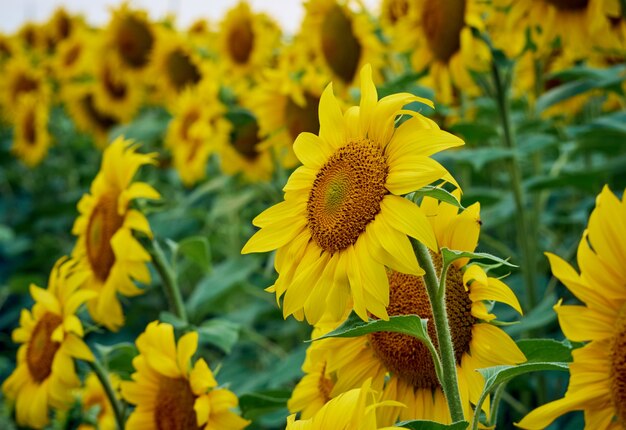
(412, 173)
(582, 324)
(202, 406)
(496, 290)
(201, 378)
(274, 236)
(45, 298)
(311, 150)
(331, 119)
(369, 98)
(77, 348)
(187, 346)
(408, 218)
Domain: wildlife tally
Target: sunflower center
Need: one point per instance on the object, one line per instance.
(173, 409)
(24, 84)
(189, 119)
(443, 21)
(30, 128)
(245, 139)
(103, 223)
(569, 4)
(397, 9)
(134, 41)
(241, 41)
(618, 368)
(346, 194)
(181, 70)
(101, 120)
(72, 55)
(114, 87)
(340, 46)
(302, 118)
(41, 348)
(408, 357)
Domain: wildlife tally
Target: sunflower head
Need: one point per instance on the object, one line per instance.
(21, 77)
(106, 247)
(347, 220)
(117, 93)
(170, 391)
(131, 37)
(31, 137)
(51, 337)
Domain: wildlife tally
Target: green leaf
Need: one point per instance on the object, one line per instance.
(450, 255)
(117, 358)
(197, 250)
(220, 333)
(546, 350)
(432, 425)
(170, 318)
(354, 326)
(438, 194)
(254, 405)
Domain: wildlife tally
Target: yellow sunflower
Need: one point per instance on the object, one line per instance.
(169, 392)
(51, 337)
(246, 43)
(94, 396)
(353, 410)
(446, 46)
(106, 246)
(21, 77)
(175, 65)
(397, 19)
(60, 27)
(197, 130)
(578, 24)
(401, 366)
(343, 40)
(32, 37)
(343, 219)
(130, 38)
(598, 373)
(117, 93)
(286, 106)
(74, 56)
(31, 138)
(80, 102)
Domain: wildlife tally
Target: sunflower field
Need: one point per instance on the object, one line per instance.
(409, 216)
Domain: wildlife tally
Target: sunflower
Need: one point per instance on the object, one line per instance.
(577, 24)
(197, 130)
(51, 337)
(117, 93)
(21, 77)
(31, 138)
(80, 103)
(60, 27)
(401, 366)
(397, 19)
(130, 38)
(286, 106)
(175, 65)
(343, 219)
(246, 43)
(352, 410)
(106, 247)
(32, 37)
(446, 46)
(171, 393)
(598, 373)
(342, 40)
(94, 396)
(74, 56)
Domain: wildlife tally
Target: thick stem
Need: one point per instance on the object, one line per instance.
(103, 377)
(525, 236)
(170, 284)
(449, 381)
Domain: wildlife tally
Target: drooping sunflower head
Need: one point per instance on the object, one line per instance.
(131, 37)
(447, 46)
(352, 410)
(175, 65)
(51, 337)
(80, 101)
(343, 40)
(117, 93)
(106, 247)
(31, 138)
(170, 391)
(598, 373)
(246, 41)
(197, 130)
(345, 215)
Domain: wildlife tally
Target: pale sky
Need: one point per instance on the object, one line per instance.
(13, 13)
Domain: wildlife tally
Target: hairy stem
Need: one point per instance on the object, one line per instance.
(170, 284)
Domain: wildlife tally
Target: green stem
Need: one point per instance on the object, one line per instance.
(103, 377)
(525, 236)
(170, 284)
(448, 381)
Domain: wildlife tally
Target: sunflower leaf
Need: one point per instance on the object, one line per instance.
(354, 326)
(438, 194)
(431, 425)
(449, 255)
